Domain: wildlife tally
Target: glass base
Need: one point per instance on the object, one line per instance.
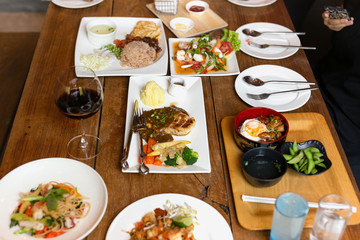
(81, 150)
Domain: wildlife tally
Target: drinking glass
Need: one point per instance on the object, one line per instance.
(331, 218)
(79, 98)
(289, 216)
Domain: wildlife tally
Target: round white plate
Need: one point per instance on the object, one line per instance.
(270, 52)
(252, 3)
(20, 180)
(279, 102)
(212, 224)
(76, 3)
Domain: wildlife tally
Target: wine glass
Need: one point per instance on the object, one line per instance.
(80, 98)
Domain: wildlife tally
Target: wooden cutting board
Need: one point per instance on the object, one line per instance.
(303, 127)
(204, 23)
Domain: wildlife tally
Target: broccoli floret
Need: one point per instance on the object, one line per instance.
(171, 161)
(189, 156)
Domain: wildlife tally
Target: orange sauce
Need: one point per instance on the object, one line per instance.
(189, 70)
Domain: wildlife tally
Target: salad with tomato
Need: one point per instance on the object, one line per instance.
(204, 55)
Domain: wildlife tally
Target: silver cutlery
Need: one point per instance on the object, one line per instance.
(123, 162)
(258, 82)
(255, 33)
(140, 128)
(266, 95)
(278, 45)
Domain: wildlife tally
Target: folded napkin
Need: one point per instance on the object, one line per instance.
(166, 6)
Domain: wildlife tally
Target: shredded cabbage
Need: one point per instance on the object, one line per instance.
(94, 62)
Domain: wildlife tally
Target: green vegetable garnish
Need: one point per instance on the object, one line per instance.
(171, 161)
(189, 156)
(112, 48)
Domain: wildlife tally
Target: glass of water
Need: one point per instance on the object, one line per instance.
(289, 216)
(331, 218)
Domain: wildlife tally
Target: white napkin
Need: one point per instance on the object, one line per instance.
(166, 6)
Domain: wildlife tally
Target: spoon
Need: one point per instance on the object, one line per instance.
(254, 33)
(258, 82)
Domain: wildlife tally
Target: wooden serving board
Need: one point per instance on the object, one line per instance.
(303, 127)
(204, 23)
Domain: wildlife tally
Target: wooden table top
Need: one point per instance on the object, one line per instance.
(41, 131)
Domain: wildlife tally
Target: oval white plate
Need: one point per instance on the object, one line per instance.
(252, 3)
(20, 180)
(212, 224)
(76, 4)
(270, 52)
(279, 102)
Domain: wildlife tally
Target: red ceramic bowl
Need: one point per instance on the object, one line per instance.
(246, 144)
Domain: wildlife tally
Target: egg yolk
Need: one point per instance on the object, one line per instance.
(254, 128)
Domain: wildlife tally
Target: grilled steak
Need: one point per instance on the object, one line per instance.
(167, 121)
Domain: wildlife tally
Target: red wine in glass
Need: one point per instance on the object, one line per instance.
(80, 98)
(79, 103)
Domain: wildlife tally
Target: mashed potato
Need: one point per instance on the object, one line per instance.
(152, 94)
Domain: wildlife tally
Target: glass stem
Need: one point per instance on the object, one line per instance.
(83, 142)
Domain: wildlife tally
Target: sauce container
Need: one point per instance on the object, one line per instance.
(197, 7)
(177, 87)
(101, 32)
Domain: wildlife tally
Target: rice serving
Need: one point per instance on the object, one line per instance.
(137, 54)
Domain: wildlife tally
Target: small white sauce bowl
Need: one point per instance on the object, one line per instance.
(197, 3)
(177, 87)
(98, 39)
(183, 21)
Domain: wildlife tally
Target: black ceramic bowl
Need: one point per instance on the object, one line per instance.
(311, 143)
(246, 144)
(263, 167)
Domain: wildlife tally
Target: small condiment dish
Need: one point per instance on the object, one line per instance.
(101, 32)
(182, 24)
(177, 87)
(263, 167)
(197, 7)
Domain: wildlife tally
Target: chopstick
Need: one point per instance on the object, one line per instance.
(267, 200)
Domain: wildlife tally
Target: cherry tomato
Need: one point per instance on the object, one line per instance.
(196, 66)
(226, 47)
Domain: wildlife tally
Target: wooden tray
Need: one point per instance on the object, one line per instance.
(206, 22)
(303, 127)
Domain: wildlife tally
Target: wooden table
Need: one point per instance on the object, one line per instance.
(41, 131)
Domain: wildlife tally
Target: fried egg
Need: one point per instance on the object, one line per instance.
(251, 129)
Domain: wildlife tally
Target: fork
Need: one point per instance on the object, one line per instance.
(140, 128)
(266, 95)
(278, 45)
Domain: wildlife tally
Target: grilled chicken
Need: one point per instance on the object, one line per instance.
(167, 121)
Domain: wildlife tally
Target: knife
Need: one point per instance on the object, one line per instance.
(123, 162)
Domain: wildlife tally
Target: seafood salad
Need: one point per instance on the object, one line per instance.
(172, 222)
(202, 55)
(49, 210)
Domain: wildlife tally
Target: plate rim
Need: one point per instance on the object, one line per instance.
(48, 160)
(159, 196)
(161, 61)
(253, 5)
(237, 84)
(204, 169)
(66, 5)
(220, 74)
(289, 51)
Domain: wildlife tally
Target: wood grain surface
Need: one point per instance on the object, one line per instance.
(40, 130)
(204, 23)
(303, 127)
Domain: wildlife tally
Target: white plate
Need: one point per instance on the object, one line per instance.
(123, 26)
(76, 4)
(20, 180)
(252, 3)
(279, 102)
(193, 103)
(233, 67)
(270, 52)
(212, 224)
